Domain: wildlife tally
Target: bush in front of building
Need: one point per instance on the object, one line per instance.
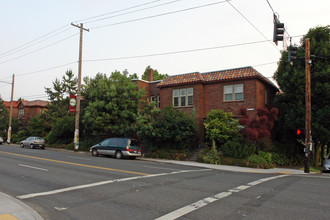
(238, 148)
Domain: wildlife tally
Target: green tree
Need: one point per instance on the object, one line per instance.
(173, 130)
(291, 80)
(220, 126)
(59, 107)
(4, 118)
(111, 105)
(156, 75)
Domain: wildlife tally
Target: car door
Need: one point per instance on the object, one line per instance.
(102, 148)
(112, 146)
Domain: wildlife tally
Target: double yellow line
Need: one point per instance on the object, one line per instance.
(75, 164)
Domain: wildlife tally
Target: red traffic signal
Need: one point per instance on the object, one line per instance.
(298, 132)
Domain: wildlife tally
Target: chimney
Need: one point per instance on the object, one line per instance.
(150, 74)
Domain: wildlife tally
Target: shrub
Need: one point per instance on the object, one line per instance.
(257, 159)
(213, 155)
(267, 156)
(238, 148)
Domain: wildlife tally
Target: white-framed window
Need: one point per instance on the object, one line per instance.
(21, 113)
(233, 92)
(183, 97)
(152, 99)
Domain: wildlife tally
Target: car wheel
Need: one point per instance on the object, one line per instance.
(132, 158)
(31, 146)
(22, 145)
(95, 153)
(119, 154)
(43, 148)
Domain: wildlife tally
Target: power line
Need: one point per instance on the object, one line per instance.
(18, 49)
(24, 45)
(43, 70)
(251, 23)
(270, 6)
(159, 15)
(177, 52)
(113, 12)
(39, 49)
(138, 10)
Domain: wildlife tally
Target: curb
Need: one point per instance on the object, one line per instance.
(11, 206)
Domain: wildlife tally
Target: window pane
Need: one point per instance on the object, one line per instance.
(183, 101)
(183, 92)
(176, 93)
(190, 100)
(176, 101)
(190, 91)
(238, 88)
(228, 89)
(239, 96)
(152, 98)
(228, 97)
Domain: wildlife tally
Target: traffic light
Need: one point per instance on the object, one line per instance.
(278, 30)
(292, 53)
(300, 133)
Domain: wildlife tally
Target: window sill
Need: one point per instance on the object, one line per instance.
(234, 101)
(190, 106)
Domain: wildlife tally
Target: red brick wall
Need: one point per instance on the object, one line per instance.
(210, 96)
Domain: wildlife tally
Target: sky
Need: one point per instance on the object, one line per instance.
(38, 43)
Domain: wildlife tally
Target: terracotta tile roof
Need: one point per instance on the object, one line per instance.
(182, 79)
(215, 76)
(34, 103)
(7, 104)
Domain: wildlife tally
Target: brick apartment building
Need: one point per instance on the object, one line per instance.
(27, 109)
(226, 89)
(15, 109)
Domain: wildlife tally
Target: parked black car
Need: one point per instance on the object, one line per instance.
(118, 147)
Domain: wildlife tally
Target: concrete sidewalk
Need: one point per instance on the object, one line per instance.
(12, 209)
(230, 168)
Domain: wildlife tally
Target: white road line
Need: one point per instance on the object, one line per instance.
(160, 168)
(37, 168)
(102, 183)
(203, 202)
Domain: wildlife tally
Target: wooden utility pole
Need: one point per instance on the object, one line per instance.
(11, 109)
(76, 132)
(308, 140)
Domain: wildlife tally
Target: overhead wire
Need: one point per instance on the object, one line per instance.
(32, 41)
(18, 49)
(130, 12)
(251, 24)
(39, 49)
(159, 15)
(177, 52)
(113, 12)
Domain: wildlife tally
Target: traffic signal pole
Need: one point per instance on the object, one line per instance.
(76, 131)
(308, 140)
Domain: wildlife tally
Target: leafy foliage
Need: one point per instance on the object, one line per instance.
(291, 80)
(172, 130)
(259, 128)
(238, 148)
(4, 118)
(111, 105)
(156, 75)
(220, 126)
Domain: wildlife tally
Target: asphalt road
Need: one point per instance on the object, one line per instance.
(67, 185)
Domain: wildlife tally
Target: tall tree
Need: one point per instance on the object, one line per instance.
(156, 75)
(111, 104)
(3, 118)
(291, 80)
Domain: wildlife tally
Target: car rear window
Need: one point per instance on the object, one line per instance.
(134, 142)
